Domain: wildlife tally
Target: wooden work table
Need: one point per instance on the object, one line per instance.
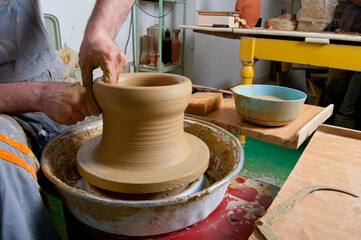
(332, 158)
(291, 136)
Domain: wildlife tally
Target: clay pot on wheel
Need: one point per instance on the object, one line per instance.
(143, 147)
(250, 11)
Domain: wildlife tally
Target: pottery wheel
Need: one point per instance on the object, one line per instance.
(127, 180)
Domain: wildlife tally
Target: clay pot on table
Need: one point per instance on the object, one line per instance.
(250, 11)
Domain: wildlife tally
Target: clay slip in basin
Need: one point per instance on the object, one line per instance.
(143, 148)
(268, 105)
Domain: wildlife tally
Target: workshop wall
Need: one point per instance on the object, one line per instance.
(214, 61)
(210, 61)
(73, 17)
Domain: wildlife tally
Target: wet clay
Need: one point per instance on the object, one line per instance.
(143, 147)
(267, 97)
(62, 161)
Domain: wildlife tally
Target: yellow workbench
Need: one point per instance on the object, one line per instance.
(324, 49)
(333, 50)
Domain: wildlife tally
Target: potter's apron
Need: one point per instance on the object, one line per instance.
(22, 212)
(27, 55)
(25, 50)
(15, 159)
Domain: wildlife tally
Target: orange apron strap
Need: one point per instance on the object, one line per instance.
(18, 145)
(8, 156)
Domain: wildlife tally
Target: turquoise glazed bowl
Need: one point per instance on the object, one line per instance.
(268, 105)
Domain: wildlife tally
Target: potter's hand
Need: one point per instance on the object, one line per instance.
(99, 50)
(67, 103)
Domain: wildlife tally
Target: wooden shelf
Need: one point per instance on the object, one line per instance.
(290, 136)
(161, 24)
(165, 68)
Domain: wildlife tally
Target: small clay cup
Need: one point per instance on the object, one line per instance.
(153, 59)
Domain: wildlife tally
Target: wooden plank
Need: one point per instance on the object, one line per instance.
(333, 157)
(290, 136)
(312, 125)
(219, 32)
(207, 29)
(282, 34)
(356, 38)
(213, 13)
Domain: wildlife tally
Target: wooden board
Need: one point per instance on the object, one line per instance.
(213, 13)
(239, 32)
(333, 157)
(290, 136)
(210, 29)
(323, 35)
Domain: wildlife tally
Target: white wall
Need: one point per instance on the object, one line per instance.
(210, 61)
(214, 61)
(73, 17)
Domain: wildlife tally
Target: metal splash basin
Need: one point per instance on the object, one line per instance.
(142, 217)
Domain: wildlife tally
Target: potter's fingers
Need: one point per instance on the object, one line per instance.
(115, 73)
(60, 118)
(115, 65)
(91, 104)
(122, 61)
(69, 116)
(115, 76)
(87, 75)
(105, 66)
(107, 74)
(75, 117)
(78, 97)
(82, 108)
(93, 109)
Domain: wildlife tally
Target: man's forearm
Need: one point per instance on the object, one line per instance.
(20, 97)
(107, 16)
(62, 102)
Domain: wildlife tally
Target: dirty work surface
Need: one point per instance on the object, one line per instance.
(331, 158)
